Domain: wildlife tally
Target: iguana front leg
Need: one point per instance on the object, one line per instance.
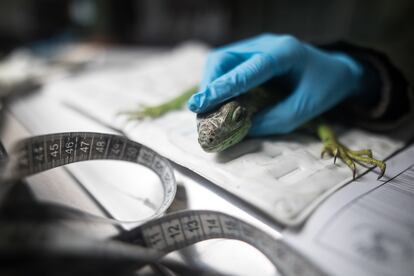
(156, 111)
(333, 147)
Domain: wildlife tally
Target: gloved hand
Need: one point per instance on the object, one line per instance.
(321, 79)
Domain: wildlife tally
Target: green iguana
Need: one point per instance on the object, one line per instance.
(229, 123)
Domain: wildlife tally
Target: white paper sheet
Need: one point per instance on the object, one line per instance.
(282, 176)
(366, 228)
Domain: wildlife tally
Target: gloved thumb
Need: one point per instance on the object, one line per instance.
(247, 75)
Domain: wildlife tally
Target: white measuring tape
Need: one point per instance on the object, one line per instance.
(145, 244)
(40, 153)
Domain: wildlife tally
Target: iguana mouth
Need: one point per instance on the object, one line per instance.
(225, 142)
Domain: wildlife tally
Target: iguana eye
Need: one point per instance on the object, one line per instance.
(237, 114)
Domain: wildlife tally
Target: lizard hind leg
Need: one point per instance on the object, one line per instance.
(333, 147)
(156, 111)
(144, 111)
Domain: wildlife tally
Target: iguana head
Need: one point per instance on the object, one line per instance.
(223, 127)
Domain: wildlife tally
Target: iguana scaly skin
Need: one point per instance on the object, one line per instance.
(229, 123)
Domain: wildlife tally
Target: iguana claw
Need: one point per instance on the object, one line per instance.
(334, 148)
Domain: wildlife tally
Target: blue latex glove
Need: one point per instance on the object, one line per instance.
(321, 80)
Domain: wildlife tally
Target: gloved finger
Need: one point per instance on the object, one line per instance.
(286, 116)
(286, 51)
(249, 74)
(218, 63)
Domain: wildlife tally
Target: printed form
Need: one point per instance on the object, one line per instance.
(366, 228)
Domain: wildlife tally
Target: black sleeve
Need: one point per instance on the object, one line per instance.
(395, 103)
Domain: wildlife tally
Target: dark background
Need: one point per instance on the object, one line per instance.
(381, 24)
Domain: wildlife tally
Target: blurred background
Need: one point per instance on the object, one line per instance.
(381, 24)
